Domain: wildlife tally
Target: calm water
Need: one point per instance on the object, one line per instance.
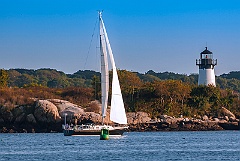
(219, 145)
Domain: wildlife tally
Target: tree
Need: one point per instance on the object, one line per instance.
(205, 99)
(172, 94)
(130, 85)
(96, 85)
(3, 78)
(78, 95)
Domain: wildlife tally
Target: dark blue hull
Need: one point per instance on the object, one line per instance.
(92, 132)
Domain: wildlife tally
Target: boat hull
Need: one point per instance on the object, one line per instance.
(114, 132)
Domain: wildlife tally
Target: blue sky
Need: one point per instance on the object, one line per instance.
(144, 34)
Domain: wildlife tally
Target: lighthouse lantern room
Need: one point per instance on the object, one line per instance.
(206, 65)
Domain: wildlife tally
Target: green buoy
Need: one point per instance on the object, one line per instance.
(104, 134)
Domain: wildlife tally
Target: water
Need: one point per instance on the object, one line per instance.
(210, 145)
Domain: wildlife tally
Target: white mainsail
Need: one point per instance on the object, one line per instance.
(117, 112)
(104, 70)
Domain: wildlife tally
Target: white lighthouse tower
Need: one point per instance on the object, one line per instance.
(206, 65)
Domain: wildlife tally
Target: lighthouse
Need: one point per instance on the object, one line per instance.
(206, 65)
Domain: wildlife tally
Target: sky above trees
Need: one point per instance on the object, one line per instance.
(145, 35)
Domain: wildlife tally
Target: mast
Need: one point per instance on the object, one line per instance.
(104, 69)
(117, 112)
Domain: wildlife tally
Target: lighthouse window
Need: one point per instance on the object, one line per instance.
(207, 56)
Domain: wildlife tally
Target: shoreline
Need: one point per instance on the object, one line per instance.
(145, 127)
(186, 126)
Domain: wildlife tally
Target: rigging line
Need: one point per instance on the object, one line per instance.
(97, 53)
(90, 44)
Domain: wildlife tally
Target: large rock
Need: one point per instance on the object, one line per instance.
(46, 112)
(92, 117)
(216, 119)
(65, 107)
(205, 118)
(176, 120)
(76, 114)
(94, 106)
(228, 113)
(137, 117)
(6, 114)
(1, 121)
(226, 118)
(18, 111)
(20, 118)
(31, 119)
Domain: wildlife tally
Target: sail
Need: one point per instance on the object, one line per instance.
(117, 112)
(104, 70)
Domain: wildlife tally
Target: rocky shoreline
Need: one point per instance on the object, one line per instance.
(186, 126)
(48, 116)
(141, 127)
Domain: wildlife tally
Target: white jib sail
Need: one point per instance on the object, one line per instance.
(117, 112)
(104, 70)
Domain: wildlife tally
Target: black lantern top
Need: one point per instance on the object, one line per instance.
(206, 60)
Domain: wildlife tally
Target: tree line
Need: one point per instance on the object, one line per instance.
(154, 93)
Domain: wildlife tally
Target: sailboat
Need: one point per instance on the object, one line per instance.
(117, 111)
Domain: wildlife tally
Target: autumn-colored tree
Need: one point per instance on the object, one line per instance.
(172, 94)
(3, 78)
(130, 85)
(79, 95)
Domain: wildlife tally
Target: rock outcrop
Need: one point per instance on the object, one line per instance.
(176, 124)
(48, 116)
(31, 119)
(6, 114)
(227, 113)
(20, 118)
(65, 107)
(137, 117)
(46, 112)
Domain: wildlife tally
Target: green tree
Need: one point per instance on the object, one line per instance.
(96, 85)
(58, 83)
(205, 100)
(3, 78)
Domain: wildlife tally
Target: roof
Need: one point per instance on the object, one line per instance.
(206, 51)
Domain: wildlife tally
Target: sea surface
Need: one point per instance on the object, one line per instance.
(207, 145)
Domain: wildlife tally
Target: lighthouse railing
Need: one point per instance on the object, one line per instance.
(206, 62)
